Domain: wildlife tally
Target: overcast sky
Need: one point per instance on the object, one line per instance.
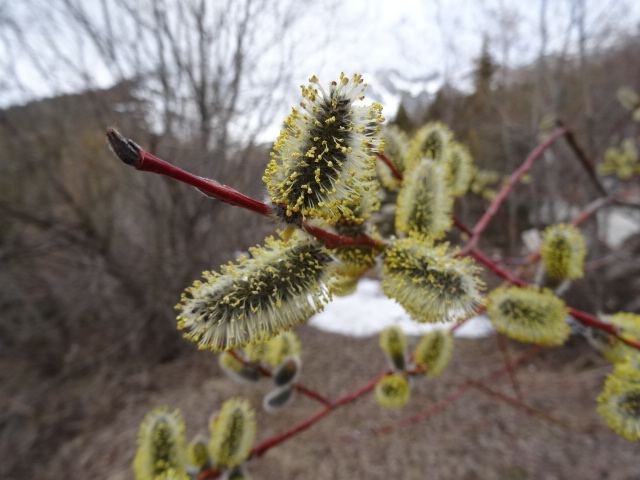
(419, 38)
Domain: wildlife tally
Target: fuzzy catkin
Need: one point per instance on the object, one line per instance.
(282, 285)
(322, 165)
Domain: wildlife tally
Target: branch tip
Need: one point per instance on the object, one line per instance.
(123, 148)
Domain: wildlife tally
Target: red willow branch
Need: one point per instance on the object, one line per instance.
(423, 415)
(457, 393)
(462, 227)
(261, 449)
(582, 317)
(519, 404)
(497, 202)
(395, 173)
(267, 373)
(134, 155)
(335, 241)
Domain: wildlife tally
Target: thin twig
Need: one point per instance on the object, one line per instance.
(462, 227)
(584, 161)
(507, 361)
(497, 202)
(582, 317)
(395, 173)
(267, 373)
(518, 403)
(457, 393)
(261, 449)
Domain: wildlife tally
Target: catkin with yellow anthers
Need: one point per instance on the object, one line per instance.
(628, 326)
(429, 282)
(161, 444)
(393, 342)
(257, 351)
(431, 141)
(392, 391)
(529, 314)
(198, 453)
(629, 368)
(622, 161)
(281, 346)
(434, 351)
(343, 286)
(619, 404)
(173, 474)
(233, 433)
(460, 163)
(354, 261)
(396, 143)
(282, 285)
(563, 251)
(321, 162)
(425, 202)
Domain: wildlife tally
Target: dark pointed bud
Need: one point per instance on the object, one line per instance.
(123, 148)
(278, 398)
(238, 371)
(288, 371)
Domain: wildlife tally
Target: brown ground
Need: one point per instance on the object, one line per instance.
(86, 428)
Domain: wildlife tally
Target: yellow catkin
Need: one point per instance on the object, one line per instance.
(393, 342)
(628, 326)
(322, 163)
(354, 261)
(425, 202)
(395, 149)
(460, 163)
(430, 283)
(198, 453)
(434, 351)
(392, 391)
(343, 286)
(431, 141)
(563, 251)
(283, 284)
(161, 444)
(281, 346)
(529, 314)
(233, 433)
(619, 405)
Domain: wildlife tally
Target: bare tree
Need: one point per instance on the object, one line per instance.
(197, 81)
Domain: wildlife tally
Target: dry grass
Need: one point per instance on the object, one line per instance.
(477, 437)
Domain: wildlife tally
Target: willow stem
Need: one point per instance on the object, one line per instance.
(134, 155)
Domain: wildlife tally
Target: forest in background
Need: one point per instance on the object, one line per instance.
(93, 257)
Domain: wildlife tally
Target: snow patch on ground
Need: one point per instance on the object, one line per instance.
(367, 311)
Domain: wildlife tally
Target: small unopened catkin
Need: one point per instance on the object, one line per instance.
(161, 444)
(233, 433)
